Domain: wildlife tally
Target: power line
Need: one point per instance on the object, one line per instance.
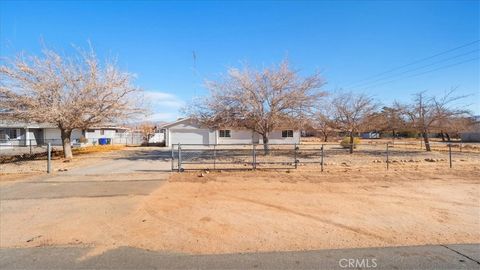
(415, 69)
(429, 71)
(415, 62)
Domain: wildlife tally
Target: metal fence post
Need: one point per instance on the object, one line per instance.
(179, 158)
(254, 157)
(49, 158)
(172, 157)
(321, 160)
(214, 156)
(387, 157)
(450, 154)
(295, 156)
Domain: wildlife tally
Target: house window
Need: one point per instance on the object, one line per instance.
(225, 133)
(287, 133)
(8, 133)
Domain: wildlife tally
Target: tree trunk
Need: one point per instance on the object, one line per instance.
(351, 142)
(393, 136)
(266, 147)
(448, 137)
(67, 147)
(442, 135)
(426, 140)
(325, 137)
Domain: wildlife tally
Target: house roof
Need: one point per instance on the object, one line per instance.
(19, 124)
(171, 124)
(181, 120)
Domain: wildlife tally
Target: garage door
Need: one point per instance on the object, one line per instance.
(198, 136)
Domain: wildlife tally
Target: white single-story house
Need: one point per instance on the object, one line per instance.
(187, 131)
(474, 134)
(18, 133)
(370, 135)
(157, 137)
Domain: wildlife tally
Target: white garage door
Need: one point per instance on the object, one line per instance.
(197, 136)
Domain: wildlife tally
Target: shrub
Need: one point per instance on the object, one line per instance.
(345, 143)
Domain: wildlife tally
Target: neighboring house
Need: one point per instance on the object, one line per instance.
(370, 135)
(158, 137)
(474, 134)
(187, 131)
(17, 133)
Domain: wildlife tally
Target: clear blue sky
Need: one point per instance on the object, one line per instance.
(348, 41)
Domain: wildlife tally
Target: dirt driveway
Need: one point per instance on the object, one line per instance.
(62, 208)
(130, 200)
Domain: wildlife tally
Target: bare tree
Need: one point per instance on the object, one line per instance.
(453, 126)
(147, 130)
(428, 112)
(324, 120)
(352, 112)
(389, 119)
(261, 101)
(73, 92)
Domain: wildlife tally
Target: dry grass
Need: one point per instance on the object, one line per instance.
(97, 149)
(20, 170)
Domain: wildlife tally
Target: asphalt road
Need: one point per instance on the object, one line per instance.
(417, 257)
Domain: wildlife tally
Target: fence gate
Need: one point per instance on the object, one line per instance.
(242, 156)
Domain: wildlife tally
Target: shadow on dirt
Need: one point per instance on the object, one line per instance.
(153, 154)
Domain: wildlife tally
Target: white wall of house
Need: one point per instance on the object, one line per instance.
(275, 137)
(236, 137)
(76, 135)
(97, 134)
(158, 137)
(54, 136)
(186, 132)
(51, 134)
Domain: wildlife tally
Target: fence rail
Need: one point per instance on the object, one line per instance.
(23, 150)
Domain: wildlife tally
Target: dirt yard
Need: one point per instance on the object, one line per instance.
(82, 156)
(230, 212)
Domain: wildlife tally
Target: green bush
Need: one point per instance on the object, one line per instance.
(345, 143)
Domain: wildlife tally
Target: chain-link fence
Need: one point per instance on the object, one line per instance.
(36, 149)
(331, 155)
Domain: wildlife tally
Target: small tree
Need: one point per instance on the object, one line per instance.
(427, 112)
(74, 92)
(352, 112)
(147, 130)
(324, 121)
(389, 119)
(261, 101)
